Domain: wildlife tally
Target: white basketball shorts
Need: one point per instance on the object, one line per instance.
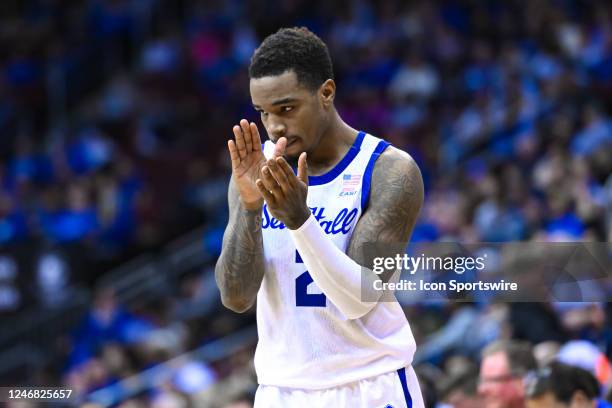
(397, 389)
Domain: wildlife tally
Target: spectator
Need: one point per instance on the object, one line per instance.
(562, 386)
(504, 363)
(461, 391)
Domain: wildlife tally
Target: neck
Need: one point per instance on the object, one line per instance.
(334, 143)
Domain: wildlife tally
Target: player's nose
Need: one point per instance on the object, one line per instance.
(276, 131)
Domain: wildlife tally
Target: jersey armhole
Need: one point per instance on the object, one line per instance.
(367, 176)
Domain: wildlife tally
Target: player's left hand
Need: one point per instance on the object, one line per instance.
(284, 192)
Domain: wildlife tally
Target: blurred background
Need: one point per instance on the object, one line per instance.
(114, 117)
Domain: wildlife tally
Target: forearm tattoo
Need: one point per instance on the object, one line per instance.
(240, 268)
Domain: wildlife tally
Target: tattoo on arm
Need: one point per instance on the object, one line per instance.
(394, 205)
(240, 268)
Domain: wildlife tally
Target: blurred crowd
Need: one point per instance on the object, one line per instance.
(114, 116)
(150, 354)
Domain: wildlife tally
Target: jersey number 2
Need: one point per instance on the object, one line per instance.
(302, 297)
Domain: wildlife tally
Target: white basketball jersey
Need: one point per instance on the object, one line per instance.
(304, 340)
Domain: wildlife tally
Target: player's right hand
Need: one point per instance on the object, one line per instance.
(248, 160)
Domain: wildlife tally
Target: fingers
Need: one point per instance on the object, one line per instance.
(279, 148)
(265, 193)
(246, 131)
(279, 174)
(255, 136)
(270, 182)
(247, 140)
(240, 143)
(286, 168)
(233, 151)
(303, 168)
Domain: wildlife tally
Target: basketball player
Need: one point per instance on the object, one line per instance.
(294, 241)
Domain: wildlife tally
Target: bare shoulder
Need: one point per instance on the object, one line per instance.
(394, 203)
(395, 159)
(396, 181)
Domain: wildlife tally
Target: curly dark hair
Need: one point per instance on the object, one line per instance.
(563, 381)
(297, 49)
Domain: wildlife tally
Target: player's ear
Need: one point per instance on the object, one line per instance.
(327, 92)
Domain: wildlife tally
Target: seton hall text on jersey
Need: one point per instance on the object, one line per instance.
(341, 224)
